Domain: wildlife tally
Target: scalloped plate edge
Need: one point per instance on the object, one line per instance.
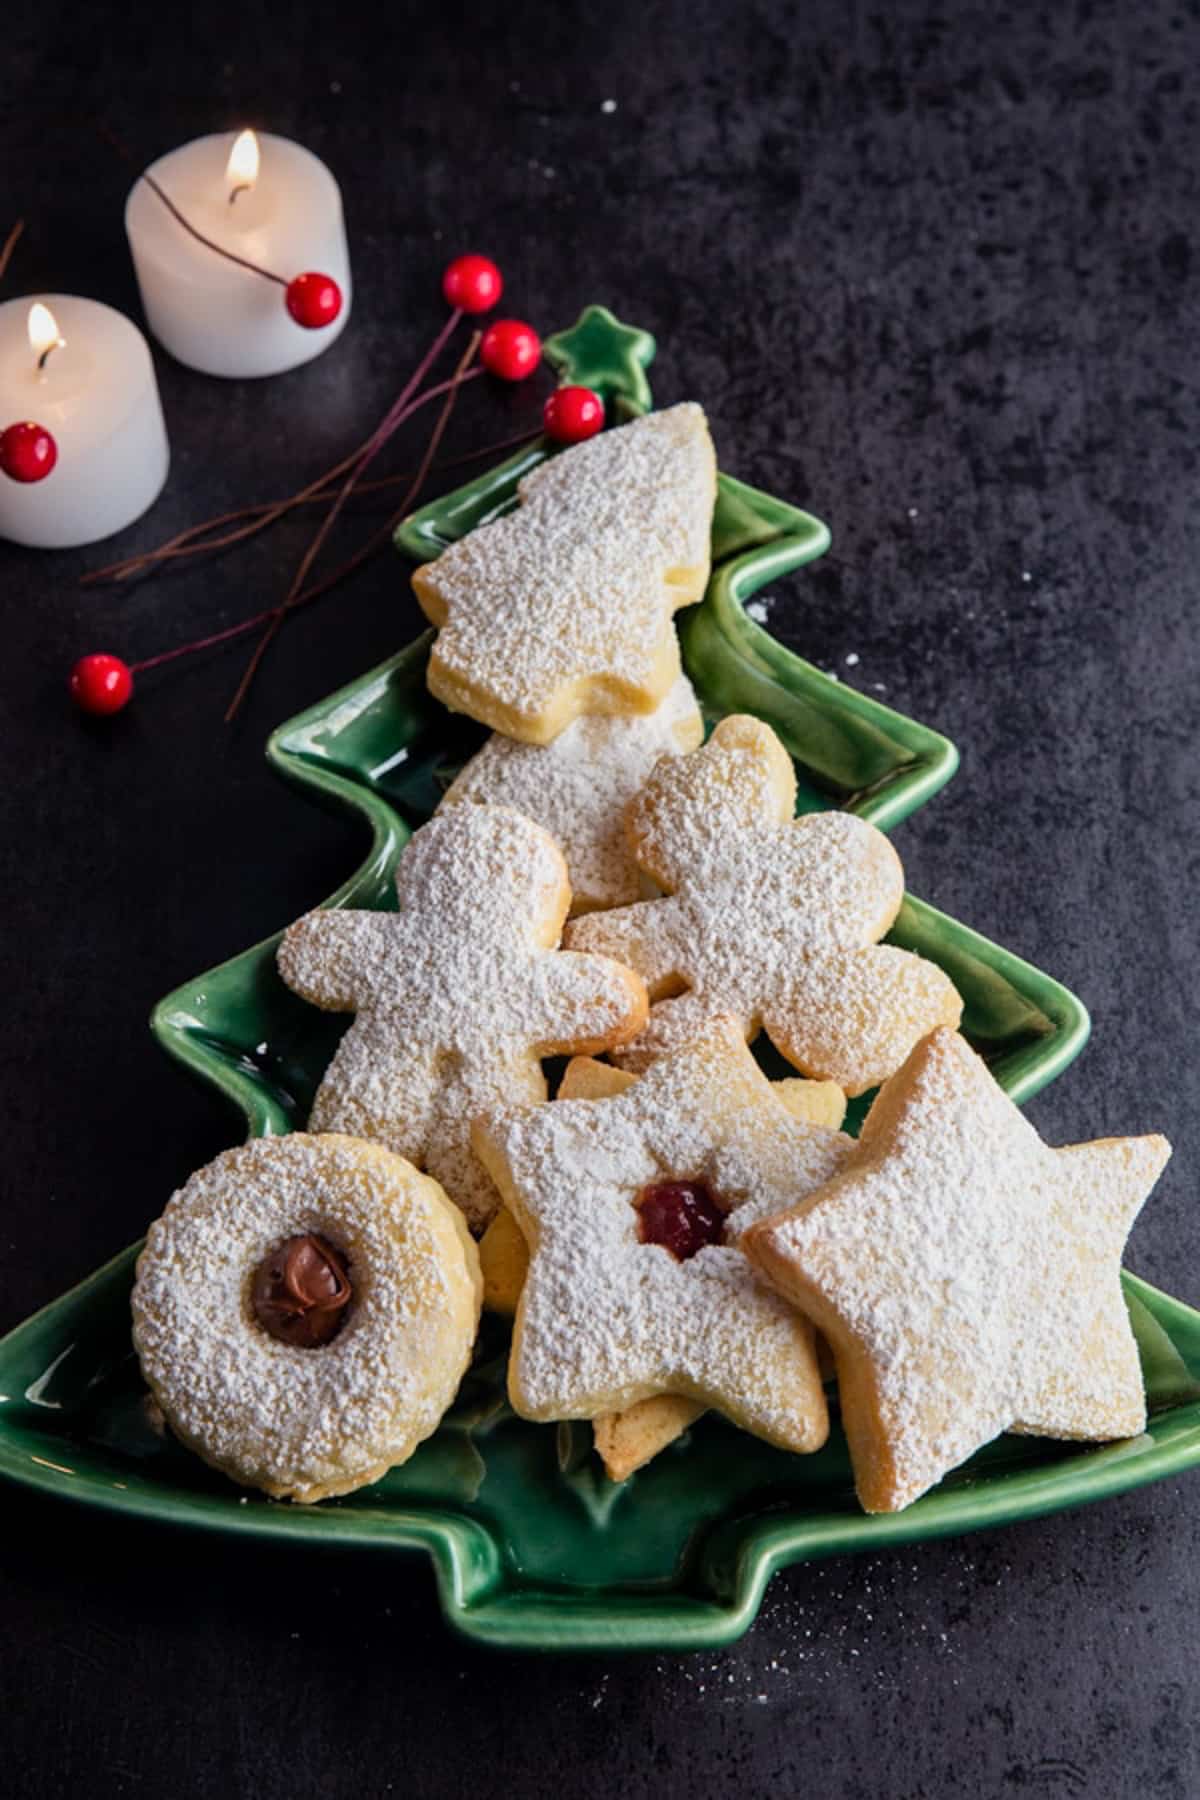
(478, 1601)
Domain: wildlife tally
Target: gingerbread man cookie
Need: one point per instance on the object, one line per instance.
(457, 995)
(966, 1275)
(632, 1209)
(304, 1311)
(772, 919)
(564, 606)
(579, 786)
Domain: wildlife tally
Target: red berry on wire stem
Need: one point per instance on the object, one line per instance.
(313, 300)
(27, 452)
(510, 349)
(101, 684)
(472, 283)
(573, 414)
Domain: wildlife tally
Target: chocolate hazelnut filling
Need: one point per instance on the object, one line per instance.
(300, 1292)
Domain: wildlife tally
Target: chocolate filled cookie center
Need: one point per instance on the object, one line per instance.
(682, 1216)
(300, 1292)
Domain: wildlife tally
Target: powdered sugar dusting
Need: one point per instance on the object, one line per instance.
(770, 919)
(972, 1270)
(605, 1320)
(297, 1422)
(579, 786)
(457, 996)
(564, 606)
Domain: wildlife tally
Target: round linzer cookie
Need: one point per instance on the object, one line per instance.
(564, 606)
(767, 918)
(579, 786)
(458, 995)
(967, 1276)
(632, 1210)
(304, 1311)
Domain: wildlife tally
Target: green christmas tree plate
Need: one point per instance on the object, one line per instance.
(531, 1545)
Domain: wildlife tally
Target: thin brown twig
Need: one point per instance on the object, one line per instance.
(10, 244)
(230, 632)
(373, 545)
(387, 427)
(265, 512)
(176, 550)
(319, 589)
(184, 544)
(356, 457)
(315, 592)
(126, 154)
(242, 261)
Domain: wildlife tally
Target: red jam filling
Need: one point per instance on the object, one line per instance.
(682, 1216)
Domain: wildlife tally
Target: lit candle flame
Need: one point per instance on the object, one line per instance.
(241, 171)
(43, 333)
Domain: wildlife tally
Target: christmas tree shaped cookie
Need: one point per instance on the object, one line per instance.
(457, 996)
(770, 919)
(564, 607)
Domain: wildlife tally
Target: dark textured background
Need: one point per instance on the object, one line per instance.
(930, 270)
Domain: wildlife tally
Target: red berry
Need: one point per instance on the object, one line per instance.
(682, 1216)
(314, 300)
(101, 684)
(510, 349)
(472, 283)
(27, 452)
(572, 414)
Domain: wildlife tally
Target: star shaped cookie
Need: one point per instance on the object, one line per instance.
(626, 1441)
(578, 787)
(606, 1319)
(564, 606)
(503, 1256)
(457, 996)
(770, 919)
(966, 1275)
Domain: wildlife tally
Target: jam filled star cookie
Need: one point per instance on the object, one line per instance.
(503, 1256)
(633, 1209)
(304, 1311)
(626, 1441)
(578, 787)
(771, 919)
(966, 1275)
(457, 996)
(564, 606)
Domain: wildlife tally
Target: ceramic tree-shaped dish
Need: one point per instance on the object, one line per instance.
(531, 1545)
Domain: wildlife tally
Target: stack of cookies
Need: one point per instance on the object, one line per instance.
(672, 1231)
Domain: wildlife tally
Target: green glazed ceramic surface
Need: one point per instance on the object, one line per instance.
(531, 1545)
(849, 750)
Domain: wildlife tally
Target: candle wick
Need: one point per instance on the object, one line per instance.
(242, 188)
(48, 352)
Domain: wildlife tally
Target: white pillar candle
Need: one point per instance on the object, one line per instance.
(286, 217)
(97, 397)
